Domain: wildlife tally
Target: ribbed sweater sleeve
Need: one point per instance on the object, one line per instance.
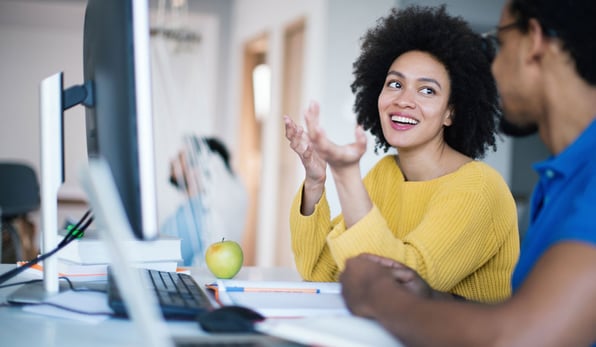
(309, 240)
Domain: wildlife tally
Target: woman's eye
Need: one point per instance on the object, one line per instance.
(394, 84)
(427, 91)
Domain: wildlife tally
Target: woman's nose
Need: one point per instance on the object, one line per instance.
(405, 99)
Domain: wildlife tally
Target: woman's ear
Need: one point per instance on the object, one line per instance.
(448, 117)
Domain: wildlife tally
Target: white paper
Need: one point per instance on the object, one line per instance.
(330, 331)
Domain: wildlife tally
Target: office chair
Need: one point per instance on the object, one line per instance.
(19, 195)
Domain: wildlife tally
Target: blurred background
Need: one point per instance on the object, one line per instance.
(228, 69)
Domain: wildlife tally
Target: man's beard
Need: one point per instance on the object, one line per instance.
(514, 130)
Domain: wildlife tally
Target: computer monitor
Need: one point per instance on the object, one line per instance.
(120, 124)
(117, 95)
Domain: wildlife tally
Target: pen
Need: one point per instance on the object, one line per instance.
(273, 290)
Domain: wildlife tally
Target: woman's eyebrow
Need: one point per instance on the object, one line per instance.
(421, 79)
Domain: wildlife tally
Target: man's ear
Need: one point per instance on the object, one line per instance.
(537, 41)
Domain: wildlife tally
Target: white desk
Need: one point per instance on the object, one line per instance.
(20, 328)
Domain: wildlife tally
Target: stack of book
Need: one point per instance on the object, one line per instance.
(88, 257)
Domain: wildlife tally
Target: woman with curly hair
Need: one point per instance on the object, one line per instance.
(423, 86)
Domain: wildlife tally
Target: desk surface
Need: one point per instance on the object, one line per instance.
(20, 328)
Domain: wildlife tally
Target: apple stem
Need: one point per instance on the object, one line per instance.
(222, 239)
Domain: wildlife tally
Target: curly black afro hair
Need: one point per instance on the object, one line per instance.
(464, 54)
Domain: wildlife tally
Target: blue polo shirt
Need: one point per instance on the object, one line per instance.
(563, 205)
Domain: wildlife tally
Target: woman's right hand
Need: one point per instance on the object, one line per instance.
(314, 166)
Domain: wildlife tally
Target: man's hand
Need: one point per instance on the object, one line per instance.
(367, 270)
(404, 275)
(359, 277)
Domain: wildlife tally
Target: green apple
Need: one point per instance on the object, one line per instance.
(224, 258)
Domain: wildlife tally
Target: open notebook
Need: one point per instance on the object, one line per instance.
(287, 299)
(141, 304)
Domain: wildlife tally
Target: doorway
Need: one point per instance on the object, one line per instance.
(289, 164)
(249, 158)
(274, 234)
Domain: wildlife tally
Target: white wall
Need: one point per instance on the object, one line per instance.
(38, 39)
(183, 77)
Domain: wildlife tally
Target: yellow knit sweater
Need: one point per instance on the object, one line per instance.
(458, 231)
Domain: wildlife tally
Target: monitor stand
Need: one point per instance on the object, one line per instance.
(54, 100)
(34, 293)
(51, 179)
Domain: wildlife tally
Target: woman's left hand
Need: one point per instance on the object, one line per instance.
(335, 155)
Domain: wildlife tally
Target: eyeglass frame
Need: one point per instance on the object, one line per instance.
(491, 37)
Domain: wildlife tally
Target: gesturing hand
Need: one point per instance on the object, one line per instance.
(316, 151)
(184, 175)
(314, 166)
(335, 155)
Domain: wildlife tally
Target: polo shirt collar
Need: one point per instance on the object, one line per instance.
(572, 158)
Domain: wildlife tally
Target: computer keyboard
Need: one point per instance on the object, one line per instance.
(179, 296)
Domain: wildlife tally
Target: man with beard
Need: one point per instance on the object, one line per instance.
(546, 77)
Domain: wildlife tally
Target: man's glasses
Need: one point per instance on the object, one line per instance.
(491, 38)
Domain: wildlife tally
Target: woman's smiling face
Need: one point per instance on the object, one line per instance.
(413, 104)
